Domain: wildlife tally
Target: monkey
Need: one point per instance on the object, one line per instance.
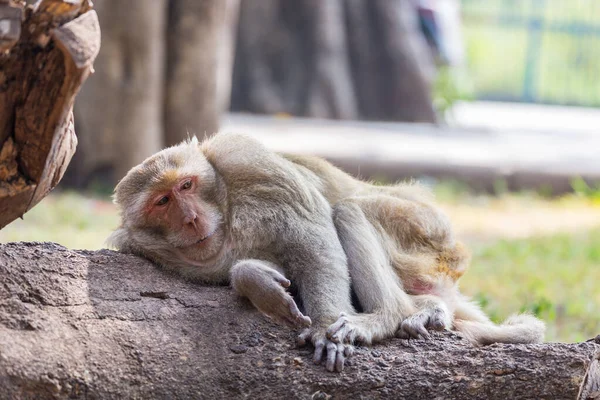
(228, 209)
(405, 263)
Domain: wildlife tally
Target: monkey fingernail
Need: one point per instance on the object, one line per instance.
(286, 283)
(304, 322)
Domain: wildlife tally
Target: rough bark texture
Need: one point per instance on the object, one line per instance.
(40, 75)
(344, 59)
(81, 324)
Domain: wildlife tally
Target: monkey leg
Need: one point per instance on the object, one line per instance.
(264, 286)
(472, 322)
(432, 314)
(317, 263)
(376, 284)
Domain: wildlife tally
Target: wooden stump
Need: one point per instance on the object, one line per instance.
(47, 53)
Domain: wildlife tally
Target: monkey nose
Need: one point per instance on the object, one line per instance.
(190, 220)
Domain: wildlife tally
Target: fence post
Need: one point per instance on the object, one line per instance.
(534, 44)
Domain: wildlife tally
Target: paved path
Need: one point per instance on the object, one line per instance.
(528, 146)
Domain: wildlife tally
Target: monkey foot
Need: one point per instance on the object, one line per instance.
(417, 325)
(350, 329)
(337, 353)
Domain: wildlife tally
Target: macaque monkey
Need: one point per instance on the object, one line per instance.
(229, 210)
(404, 264)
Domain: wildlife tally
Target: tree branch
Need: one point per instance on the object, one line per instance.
(108, 325)
(40, 75)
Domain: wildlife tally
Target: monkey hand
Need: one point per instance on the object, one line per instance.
(337, 353)
(265, 288)
(416, 326)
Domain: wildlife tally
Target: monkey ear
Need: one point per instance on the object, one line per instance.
(119, 239)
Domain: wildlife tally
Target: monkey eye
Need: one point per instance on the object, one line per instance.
(186, 185)
(163, 200)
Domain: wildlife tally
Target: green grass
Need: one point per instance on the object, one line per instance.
(75, 221)
(556, 277)
(554, 274)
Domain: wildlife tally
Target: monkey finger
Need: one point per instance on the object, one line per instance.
(438, 320)
(279, 278)
(286, 283)
(423, 332)
(332, 355)
(335, 328)
(319, 349)
(303, 337)
(300, 320)
(340, 358)
(410, 328)
(348, 350)
(286, 321)
(436, 324)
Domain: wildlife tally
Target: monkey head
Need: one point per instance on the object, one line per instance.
(172, 209)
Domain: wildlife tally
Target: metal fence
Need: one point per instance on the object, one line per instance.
(542, 51)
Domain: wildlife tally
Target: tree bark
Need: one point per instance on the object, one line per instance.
(40, 74)
(81, 324)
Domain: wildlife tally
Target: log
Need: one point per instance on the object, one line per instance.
(45, 59)
(83, 324)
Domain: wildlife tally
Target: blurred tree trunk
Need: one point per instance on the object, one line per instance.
(195, 27)
(157, 78)
(119, 111)
(226, 54)
(333, 59)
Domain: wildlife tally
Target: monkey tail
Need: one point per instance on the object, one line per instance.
(476, 327)
(521, 328)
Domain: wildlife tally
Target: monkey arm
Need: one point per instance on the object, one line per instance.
(263, 284)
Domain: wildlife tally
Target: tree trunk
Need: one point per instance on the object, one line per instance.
(45, 59)
(119, 111)
(344, 59)
(195, 30)
(163, 71)
(391, 63)
(226, 54)
(107, 325)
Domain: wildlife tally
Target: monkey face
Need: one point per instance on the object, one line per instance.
(172, 208)
(182, 214)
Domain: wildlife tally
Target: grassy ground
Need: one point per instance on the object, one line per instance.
(529, 253)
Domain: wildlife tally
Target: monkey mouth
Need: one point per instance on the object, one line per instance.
(204, 238)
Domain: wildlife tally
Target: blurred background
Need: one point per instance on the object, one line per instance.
(494, 104)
